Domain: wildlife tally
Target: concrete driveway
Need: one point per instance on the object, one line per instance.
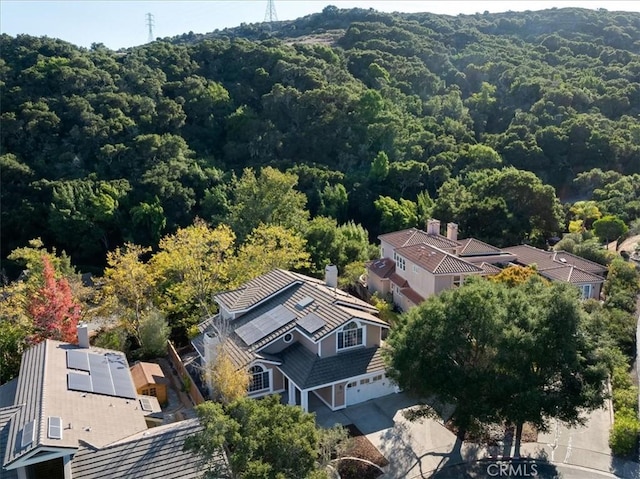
(426, 449)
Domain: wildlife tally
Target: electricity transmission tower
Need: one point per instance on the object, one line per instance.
(270, 15)
(150, 24)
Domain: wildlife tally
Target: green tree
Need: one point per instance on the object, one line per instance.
(268, 247)
(154, 333)
(379, 167)
(269, 198)
(263, 439)
(396, 215)
(609, 228)
(451, 339)
(191, 265)
(129, 287)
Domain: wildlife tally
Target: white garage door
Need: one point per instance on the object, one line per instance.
(369, 388)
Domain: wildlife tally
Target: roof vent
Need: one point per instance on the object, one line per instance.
(562, 260)
(304, 302)
(145, 403)
(28, 433)
(55, 427)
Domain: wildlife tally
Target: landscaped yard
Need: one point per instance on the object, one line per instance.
(361, 448)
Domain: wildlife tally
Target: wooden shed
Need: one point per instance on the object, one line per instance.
(149, 380)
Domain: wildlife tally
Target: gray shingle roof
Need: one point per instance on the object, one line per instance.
(333, 306)
(256, 290)
(436, 261)
(153, 454)
(308, 370)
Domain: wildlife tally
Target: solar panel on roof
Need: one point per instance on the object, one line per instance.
(55, 427)
(121, 377)
(77, 360)
(100, 375)
(28, 433)
(79, 382)
(265, 324)
(311, 323)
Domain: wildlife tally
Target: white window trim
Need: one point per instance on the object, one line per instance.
(269, 374)
(586, 290)
(341, 330)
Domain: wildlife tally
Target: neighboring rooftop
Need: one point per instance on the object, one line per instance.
(414, 236)
(156, 453)
(528, 255)
(147, 373)
(436, 260)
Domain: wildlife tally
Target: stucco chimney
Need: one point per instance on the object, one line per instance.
(433, 227)
(83, 335)
(331, 275)
(452, 231)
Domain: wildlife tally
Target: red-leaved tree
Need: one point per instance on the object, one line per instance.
(54, 311)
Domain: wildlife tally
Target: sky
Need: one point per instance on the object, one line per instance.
(123, 23)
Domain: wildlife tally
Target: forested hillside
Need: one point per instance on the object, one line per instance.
(490, 120)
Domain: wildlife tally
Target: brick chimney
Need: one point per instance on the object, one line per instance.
(433, 227)
(452, 231)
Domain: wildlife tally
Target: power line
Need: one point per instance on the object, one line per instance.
(150, 24)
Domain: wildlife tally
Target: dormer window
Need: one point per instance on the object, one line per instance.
(350, 336)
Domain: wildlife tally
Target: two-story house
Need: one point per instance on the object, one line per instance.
(298, 335)
(416, 264)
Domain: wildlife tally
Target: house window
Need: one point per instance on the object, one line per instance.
(377, 378)
(352, 385)
(259, 379)
(586, 291)
(152, 392)
(145, 392)
(457, 281)
(365, 381)
(415, 269)
(350, 336)
(400, 263)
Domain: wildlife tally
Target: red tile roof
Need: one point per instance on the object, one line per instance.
(413, 236)
(435, 260)
(383, 267)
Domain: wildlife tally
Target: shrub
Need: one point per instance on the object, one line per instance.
(624, 435)
(625, 399)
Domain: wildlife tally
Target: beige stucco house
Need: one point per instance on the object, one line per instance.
(416, 264)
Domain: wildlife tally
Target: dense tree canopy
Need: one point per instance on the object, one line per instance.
(100, 147)
(512, 351)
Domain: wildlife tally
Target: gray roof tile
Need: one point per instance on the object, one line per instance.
(309, 371)
(156, 453)
(333, 306)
